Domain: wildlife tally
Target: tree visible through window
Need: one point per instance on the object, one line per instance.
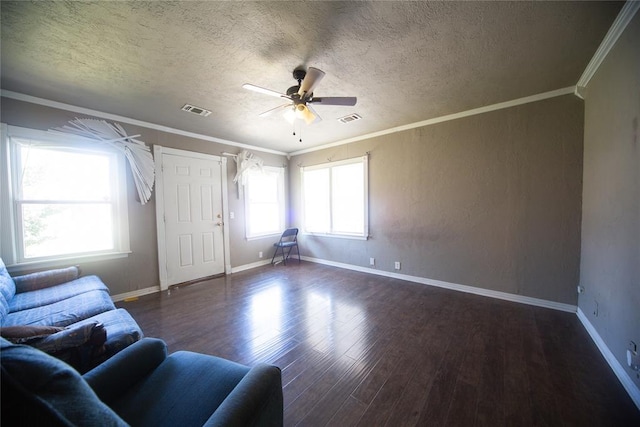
(335, 198)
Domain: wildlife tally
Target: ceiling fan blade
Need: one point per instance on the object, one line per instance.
(335, 100)
(273, 110)
(310, 81)
(317, 116)
(264, 91)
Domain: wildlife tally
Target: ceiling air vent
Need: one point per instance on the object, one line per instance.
(350, 118)
(196, 110)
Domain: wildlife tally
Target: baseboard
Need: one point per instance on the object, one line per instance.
(135, 294)
(453, 286)
(618, 369)
(250, 266)
(153, 289)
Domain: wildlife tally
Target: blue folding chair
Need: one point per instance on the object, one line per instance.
(288, 241)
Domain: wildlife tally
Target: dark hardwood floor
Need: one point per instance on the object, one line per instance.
(358, 349)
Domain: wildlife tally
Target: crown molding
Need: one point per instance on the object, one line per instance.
(493, 107)
(68, 107)
(617, 28)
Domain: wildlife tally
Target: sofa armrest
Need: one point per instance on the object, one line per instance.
(255, 401)
(45, 279)
(111, 379)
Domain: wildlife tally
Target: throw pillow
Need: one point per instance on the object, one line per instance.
(22, 334)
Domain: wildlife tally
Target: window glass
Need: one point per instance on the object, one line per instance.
(317, 197)
(264, 202)
(348, 198)
(60, 229)
(68, 198)
(64, 175)
(335, 198)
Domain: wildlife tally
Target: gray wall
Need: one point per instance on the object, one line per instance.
(610, 267)
(491, 201)
(140, 269)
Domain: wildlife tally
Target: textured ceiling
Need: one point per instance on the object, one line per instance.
(405, 61)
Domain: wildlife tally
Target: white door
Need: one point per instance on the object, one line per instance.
(193, 218)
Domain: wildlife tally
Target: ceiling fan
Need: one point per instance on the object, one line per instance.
(301, 96)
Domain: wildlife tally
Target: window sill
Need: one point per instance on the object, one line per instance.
(63, 262)
(335, 236)
(264, 236)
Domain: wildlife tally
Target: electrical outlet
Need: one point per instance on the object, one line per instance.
(232, 215)
(260, 254)
(372, 261)
(397, 265)
(633, 360)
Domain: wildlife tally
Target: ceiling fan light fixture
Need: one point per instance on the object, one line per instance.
(302, 112)
(290, 115)
(299, 111)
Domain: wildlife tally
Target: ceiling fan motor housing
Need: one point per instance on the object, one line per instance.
(293, 91)
(299, 74)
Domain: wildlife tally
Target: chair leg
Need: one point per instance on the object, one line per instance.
(285, 255)
(289, 252)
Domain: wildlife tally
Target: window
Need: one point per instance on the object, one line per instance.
(335, 198)
(264, 202)
(67, 198)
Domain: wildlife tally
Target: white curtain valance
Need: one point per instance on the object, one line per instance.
(138, 154)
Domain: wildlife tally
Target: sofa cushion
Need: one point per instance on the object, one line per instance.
(180, 391)
(4, 309)
(65, 312)
(7, 285)
(50, 295)
(45, 279)
(38, 389)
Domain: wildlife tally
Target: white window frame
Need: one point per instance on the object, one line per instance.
(365, 163)
(280, 171)
(11, 245)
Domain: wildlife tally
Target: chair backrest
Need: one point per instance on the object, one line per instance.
(290, 235)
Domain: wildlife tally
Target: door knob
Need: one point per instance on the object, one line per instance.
(219, 223)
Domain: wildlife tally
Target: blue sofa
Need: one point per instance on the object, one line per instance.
(64, 314)
(139, 386)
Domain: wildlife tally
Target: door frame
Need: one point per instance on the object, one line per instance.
(158, 152)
